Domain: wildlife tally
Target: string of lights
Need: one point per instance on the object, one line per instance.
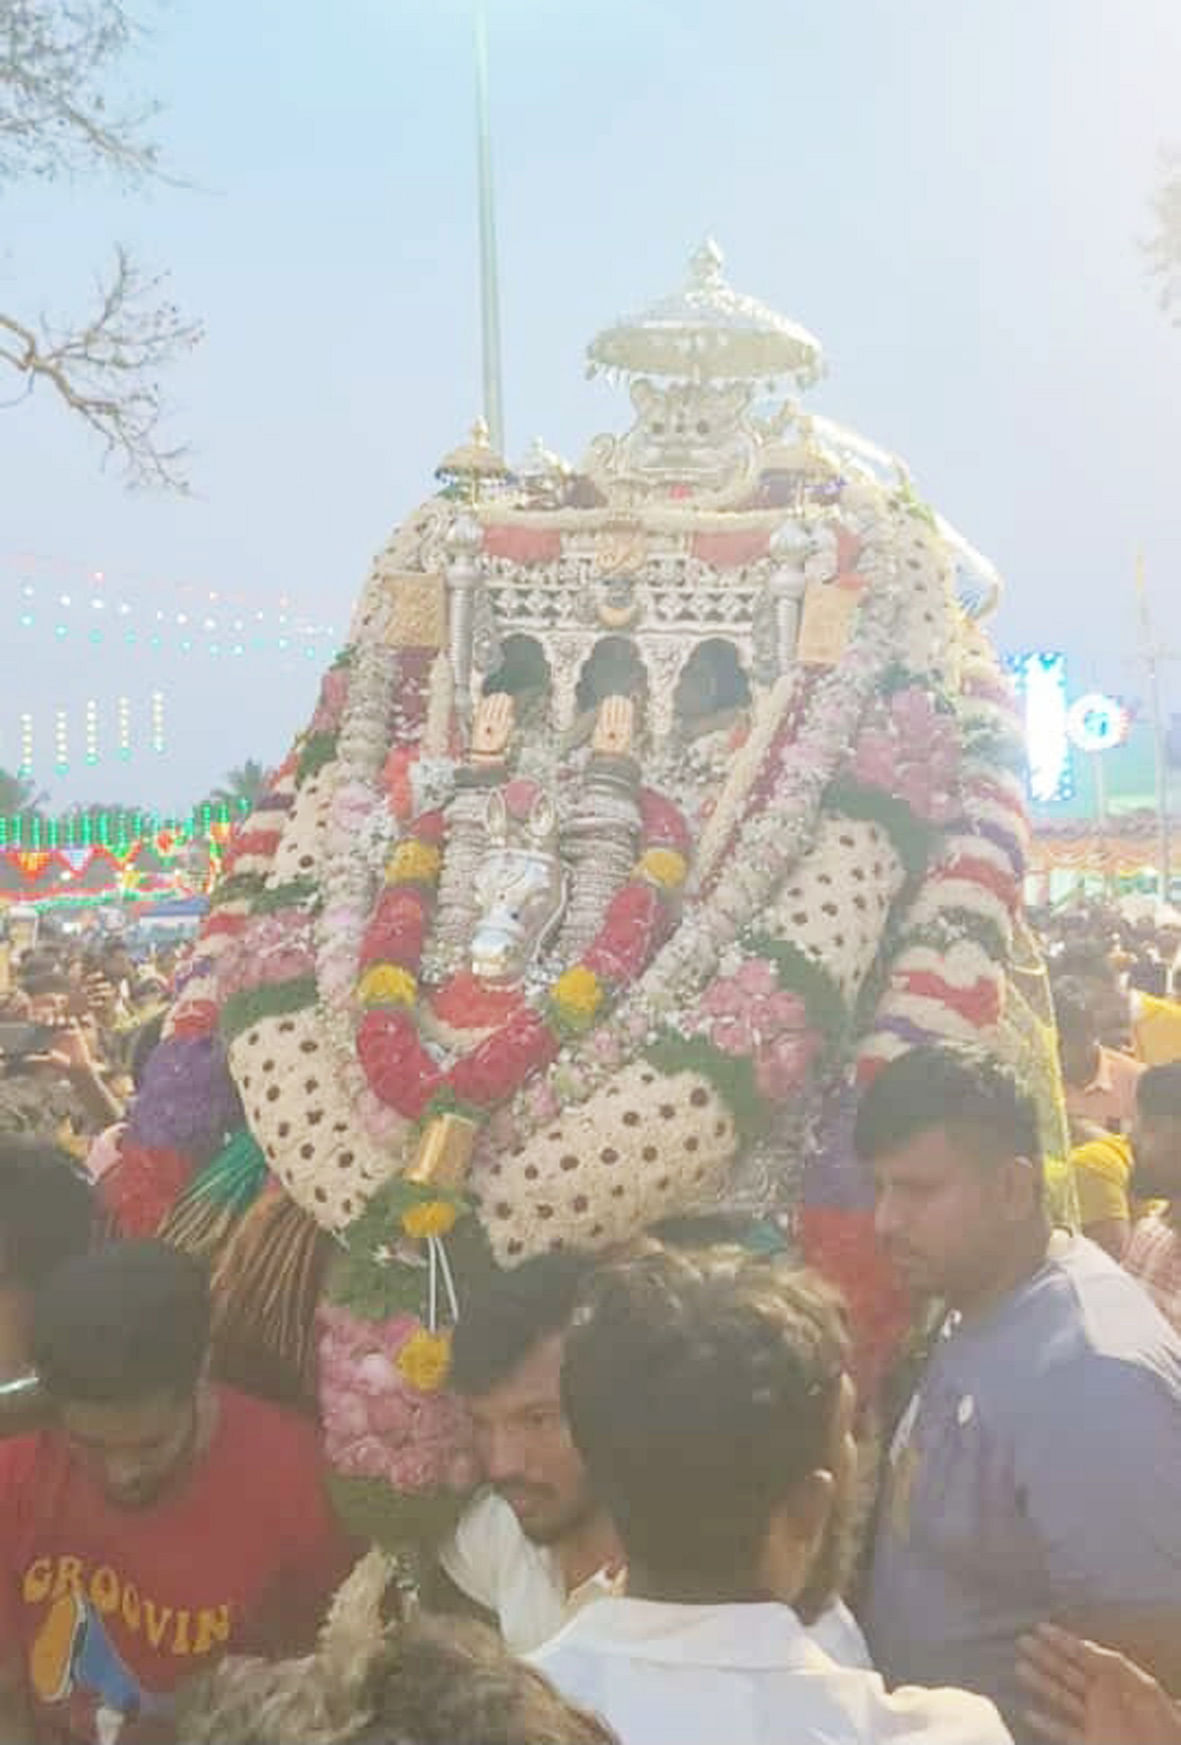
(104, 621)
(84, 580)
(115, 830)
(65, 724)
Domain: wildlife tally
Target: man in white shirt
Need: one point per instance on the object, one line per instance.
(711, 1402)
(534, 1546)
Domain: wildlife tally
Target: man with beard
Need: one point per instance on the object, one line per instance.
(534, 1544)
(1153, 1254)
(159, 1523)
(710, 1397)
(1035, 1474)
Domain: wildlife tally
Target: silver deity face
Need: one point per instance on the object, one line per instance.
(520, 894)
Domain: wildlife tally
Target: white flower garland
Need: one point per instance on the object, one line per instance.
(769, 844)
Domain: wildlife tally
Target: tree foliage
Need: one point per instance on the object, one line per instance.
(245, 783)
(62, 114)
(18, 795)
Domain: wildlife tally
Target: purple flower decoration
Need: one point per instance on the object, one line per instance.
(834, 1176)
(188, 1102)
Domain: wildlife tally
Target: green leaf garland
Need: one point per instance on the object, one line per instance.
(382, 1272)
(243, 1010)
(234, 1179)
(912, 839)
(732, 1076)
(804, 976)
(294, 894)
(317, 750)
(954, 925)
(373, 1513)
(238, 888)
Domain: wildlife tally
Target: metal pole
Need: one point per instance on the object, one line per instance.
(1099, 778)
(489, 272)
(1152, 658)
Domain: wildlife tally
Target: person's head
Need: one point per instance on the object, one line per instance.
(507, 1365)
(439, 1681)
(1149, 975)
(709, 1396)
(952, 1137)
(118, 965)
(1168, 936)
(430, 1681)
(120, 1341)
(1078, 1030)
(165, 959)
(47, 1216)
(48, 988)
(1156, 1134)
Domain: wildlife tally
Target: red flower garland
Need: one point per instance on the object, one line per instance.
(400, 1069)
(140, 1189)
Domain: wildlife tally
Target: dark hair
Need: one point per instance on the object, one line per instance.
(510, 1314)
(1149, 976)
(429, 1681)
(700, 1390)
(1158, 1093)
(1085, 961)
(1074, 1009)
(965, 1091)
(448, 1682)
(42, 972)
(39, 963)
(123, 1325)
(47, 1210)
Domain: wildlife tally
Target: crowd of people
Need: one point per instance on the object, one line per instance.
(77, 1023)
(690, 1528)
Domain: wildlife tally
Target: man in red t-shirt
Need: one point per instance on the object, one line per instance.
(160, 1523)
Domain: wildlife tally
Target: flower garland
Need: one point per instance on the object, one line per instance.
(386, 691)
(398, 1066)
(772, 838)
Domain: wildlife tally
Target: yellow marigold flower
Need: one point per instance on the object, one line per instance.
(387, 984)
(425, 1361)
(413, 863)
(665, 867)
(428, 1218)
(578, 994)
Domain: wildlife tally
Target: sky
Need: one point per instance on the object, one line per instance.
(953, 194)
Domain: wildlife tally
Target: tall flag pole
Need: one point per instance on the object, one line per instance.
(1152, 655)
(489, 266)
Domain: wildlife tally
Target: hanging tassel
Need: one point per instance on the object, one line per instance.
(265, 1293)
(204, 1219)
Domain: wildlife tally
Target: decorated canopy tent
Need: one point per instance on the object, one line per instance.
(654, 804)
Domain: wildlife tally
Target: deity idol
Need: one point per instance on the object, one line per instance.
(652, 806)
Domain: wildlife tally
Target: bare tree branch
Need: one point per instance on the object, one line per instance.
(104, 369)
(58, 59)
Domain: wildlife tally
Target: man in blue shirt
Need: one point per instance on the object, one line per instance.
(1036, 1474)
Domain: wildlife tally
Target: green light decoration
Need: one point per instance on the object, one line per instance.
(22, 831)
